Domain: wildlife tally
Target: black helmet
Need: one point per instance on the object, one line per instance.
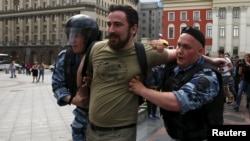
(86, 26)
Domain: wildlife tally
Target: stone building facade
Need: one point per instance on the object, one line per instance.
(33, 30)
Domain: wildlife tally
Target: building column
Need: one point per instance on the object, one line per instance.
(215, 33)
(229, 25)
(243, 31)
(1, 25)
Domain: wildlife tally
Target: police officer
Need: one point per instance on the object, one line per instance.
(191, 99)
(81, 30)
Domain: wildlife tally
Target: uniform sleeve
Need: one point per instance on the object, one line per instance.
(200, 90)
(58, 80)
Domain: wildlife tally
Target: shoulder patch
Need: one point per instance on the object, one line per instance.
(202, 84)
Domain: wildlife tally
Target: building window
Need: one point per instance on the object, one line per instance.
(54, 3)
(53, 37)
(26, 38)
(54, 27)
(36, 28)
(222, 13)
(36, 19)
(17, 30)
(64, 2)
(222, 31)
(44, 28)
(236, 12)
(196, 16)
(54, 18)
(171, 16)
(27, 29)
(209, 14)
(44, 4)
(6, 38)
(17, 38)
(74, 2)
(44, 18)
(235, 51)
(236, 31)
(64, 17)
(35, 38)
(209, 31)
(171, 32)
(17, 20)
(44, 37)
(183, 16)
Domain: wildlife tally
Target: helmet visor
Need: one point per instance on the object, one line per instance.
(71, 35)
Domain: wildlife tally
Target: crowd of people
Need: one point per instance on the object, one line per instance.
(236, 79)
(36, 70)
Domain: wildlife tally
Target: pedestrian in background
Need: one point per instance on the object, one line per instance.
(28, 68)
(12, 69)
(227, 77)
(34, 71)
(244, 86)
(41, 72)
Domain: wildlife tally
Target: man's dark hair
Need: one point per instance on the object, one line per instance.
(131, 13)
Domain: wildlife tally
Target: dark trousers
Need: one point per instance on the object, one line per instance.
(151, 107)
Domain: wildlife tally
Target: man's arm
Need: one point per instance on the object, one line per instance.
(60, 91)
(172, 54)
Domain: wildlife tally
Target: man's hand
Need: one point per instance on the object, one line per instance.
(219, 62)
(136, 86)
(158, 45)
(81, 99)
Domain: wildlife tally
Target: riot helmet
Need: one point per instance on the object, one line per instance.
(84, 25)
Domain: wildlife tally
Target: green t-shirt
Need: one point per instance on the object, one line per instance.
(111, 104)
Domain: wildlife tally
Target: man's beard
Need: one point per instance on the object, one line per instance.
(119, 44)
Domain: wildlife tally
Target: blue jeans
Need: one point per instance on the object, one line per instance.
(12, 73)
(79, 125)
(243, 86)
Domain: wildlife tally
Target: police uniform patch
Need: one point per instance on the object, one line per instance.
(202, 84)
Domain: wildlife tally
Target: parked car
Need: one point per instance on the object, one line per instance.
(46, 66)
(52, 67)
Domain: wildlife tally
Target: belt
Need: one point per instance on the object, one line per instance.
(94, 127)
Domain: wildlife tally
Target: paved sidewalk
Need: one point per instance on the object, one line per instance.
(29, 112)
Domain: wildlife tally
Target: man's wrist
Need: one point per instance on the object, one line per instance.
(67, 99)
